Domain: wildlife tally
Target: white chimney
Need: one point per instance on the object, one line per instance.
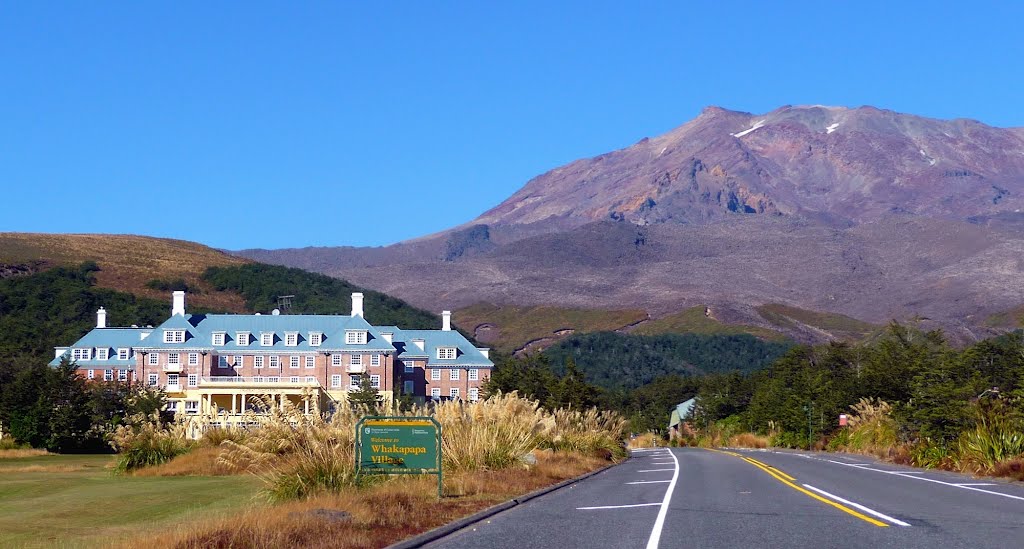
(418, 343)
(387, 336)
(178, 303)
(357, 304)
(446, 321)
(101, 318)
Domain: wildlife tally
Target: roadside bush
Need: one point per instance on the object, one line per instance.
(871, 428)
(748, 440)
(997, 437)
(588, 432)
(493, 433)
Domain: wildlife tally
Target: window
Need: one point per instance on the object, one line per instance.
(446, 353)
(310, 379)
(474, 375)
(353, 381)
(218, 338)
(310, 361)
(193, 380)
(122, 375)
(108, 375)
(408, 387)
(123, 353)
(102, 354)
(293, 361)
(193, 359)
(335, 381)
(174, 336)
(267, 339)
(474, 394)
(410, 367)
(154, 359)
(315, 338)
(152, 380)
(242, 338)
(273, 379)
(291, 339)
(356, 360)
(239, 361)
(259, 379)
(275, 361)
(453, 374)
(453, 393)
(435, 374)
(172, 405)
(222, 361)
(435, 393)
(293, 379)
(173, 358)
(335, 360)
(191, 406)
(375, 381)
(91, 374)
(374, 360)
(257, 361)
(172, 379)
(81, 354)
(355, 337)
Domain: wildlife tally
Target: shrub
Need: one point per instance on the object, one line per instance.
(589, 432)
(149, 441)
(493, 433)
(997, 437)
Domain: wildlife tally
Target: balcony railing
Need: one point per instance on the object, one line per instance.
(172, 367)
(356, 369)
(260, 380)
(174, 388)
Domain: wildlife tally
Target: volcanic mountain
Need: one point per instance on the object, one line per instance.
(861, 212)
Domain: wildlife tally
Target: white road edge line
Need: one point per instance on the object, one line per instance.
(910, 474)
(653, 470)
(648, 481)
(976, 484)
(659, 523)
(619, 506)
(857, 505)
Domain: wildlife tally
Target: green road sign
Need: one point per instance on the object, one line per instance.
(392, 445)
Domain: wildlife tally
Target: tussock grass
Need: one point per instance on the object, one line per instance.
(748, 440)
(148, 441)
(201, 461)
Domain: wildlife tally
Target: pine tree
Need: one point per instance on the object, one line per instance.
(365, 397)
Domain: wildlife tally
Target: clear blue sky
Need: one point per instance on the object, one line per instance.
(293, 124)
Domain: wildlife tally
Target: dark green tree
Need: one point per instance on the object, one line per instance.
(366, 397)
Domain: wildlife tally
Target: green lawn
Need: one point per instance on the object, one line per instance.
(75, 501)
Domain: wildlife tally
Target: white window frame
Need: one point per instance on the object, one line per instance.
(102, 353)
(310, 379)
(336, 359)
(275, 361)
(354, 380)
(218, 338)
(174, 359)
(435, 374)
(375, 360)
(453, 393)
(435, 393)
(410, 367)
(375, 381)
(310, 361)
(175, 377)
(294, 362)
(355, 359)
(257, 362)
(81, 354)
(239, 361)
(174, 336)
(91, 374)
(154, 359)
(474, 394)
(355, 337)
(315, 338)
(266, 339)
(153, 380)
(446, 353)
(108, 375)
(293, 379)
(191, 406)
(291, 339)
(241, 338)
(193, 380)
(273, 379)
(453, 374)
(193, 359)
(474, 374)
(122, 375)
(222, 361)
(408, 387)
(172, 405)
(336, 381)
(123, 353)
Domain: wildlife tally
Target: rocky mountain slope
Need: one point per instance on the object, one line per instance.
(861, 212)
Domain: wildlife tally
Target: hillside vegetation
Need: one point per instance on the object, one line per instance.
(695, 321)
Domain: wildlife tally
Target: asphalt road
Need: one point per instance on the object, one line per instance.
(688, 497)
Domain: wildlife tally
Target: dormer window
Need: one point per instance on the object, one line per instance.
(242, 338)
(291, 339)
(355, 337)
(446, 353)
(174, 336)
(81, 354)
(218, 338)
(102, 354)
(123, 353)
(315, 338)
(267, 339)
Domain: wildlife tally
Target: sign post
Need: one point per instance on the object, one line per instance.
(395, 445)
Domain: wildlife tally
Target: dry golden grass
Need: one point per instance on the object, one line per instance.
(202, 461)
(22, 453)
(128, 262)
(380, 515)
(748, 440)
(644, 440)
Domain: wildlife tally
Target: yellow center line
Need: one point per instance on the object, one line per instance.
(787, 480)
